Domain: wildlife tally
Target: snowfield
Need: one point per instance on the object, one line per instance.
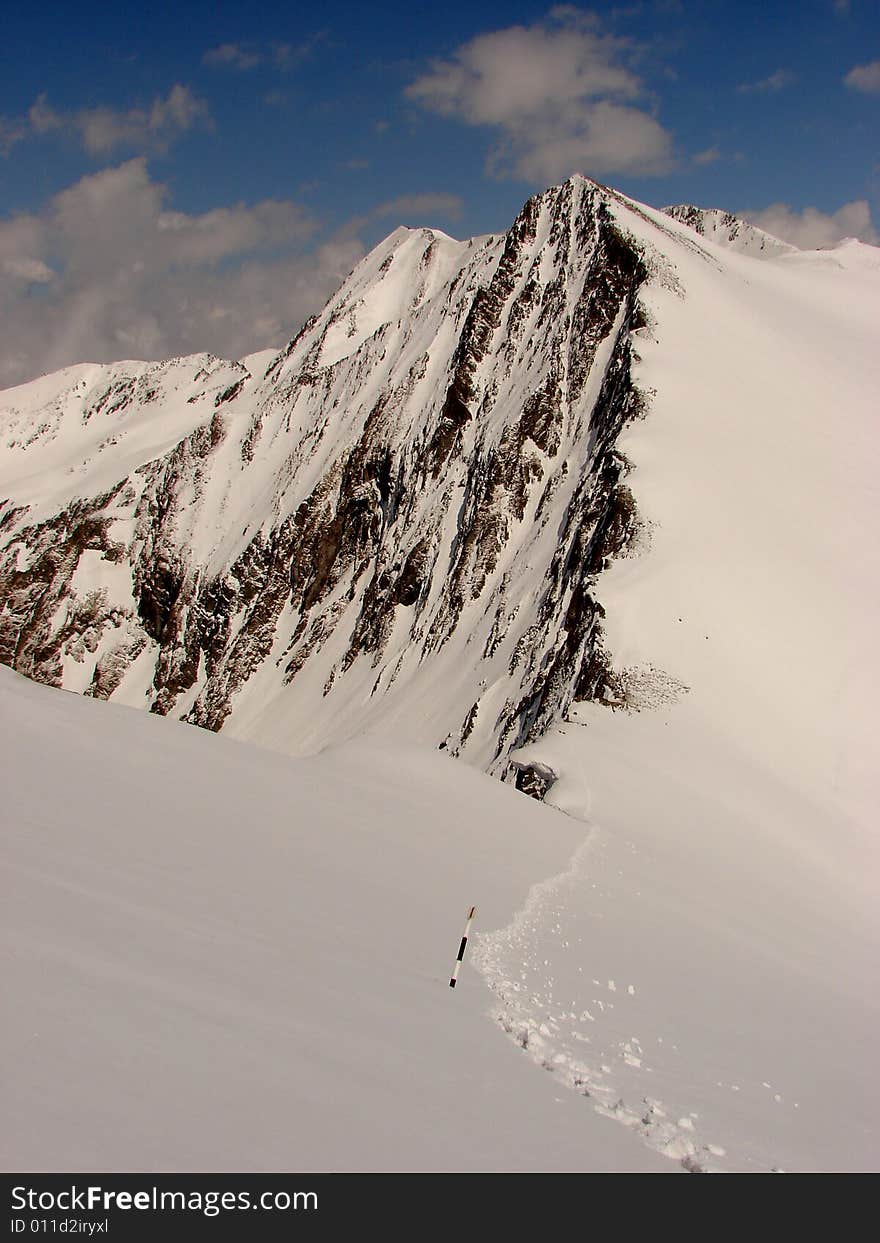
(219, 958)
(223, 956)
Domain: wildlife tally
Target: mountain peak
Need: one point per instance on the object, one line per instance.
(722, 227)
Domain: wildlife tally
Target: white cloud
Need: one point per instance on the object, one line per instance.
(710, 156)
(12, 131)
(289, 55)
(864, 77)
(106, 271)
(31, 271)
(232, 56)
(777, 81)
(42, 118)
(102, 130)
(811, 229)
(557, 93)
(244, 56)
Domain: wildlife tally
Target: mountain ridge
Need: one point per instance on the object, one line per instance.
(723, 227)
(398, 522)
(320, 542)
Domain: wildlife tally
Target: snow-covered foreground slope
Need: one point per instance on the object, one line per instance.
(217, 958)
(731, 922)
(220, 958)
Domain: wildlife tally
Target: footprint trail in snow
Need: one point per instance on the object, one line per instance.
(583, 1026)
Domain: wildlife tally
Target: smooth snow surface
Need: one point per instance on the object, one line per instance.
(217, 958)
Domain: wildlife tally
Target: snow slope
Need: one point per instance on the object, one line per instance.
(737, 811)
(217, 958)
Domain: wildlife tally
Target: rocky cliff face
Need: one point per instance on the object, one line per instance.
(397, 522)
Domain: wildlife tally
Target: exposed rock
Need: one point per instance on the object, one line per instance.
(533, 779)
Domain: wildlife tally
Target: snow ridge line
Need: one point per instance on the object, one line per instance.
(503, 958)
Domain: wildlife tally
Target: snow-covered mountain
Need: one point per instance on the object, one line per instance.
(398, 523)
(399, 518)
(720, 226)
(587, 504)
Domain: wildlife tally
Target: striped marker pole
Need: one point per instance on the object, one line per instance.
(462, 947)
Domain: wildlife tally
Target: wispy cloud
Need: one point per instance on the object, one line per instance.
(416, 208)
(558, 94)
(13, 130)
(864, 78)
(289, 55)
(777, 81)
(711, 155)
(122, 276)
(811, 229)
(104, 130)
(240, 57)
(232, 56)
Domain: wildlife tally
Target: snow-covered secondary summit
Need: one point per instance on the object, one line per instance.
(720, 226)
(588, 504)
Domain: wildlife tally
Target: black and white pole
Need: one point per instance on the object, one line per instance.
(462, 947)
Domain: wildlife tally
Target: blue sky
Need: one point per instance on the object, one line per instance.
(179, 177)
